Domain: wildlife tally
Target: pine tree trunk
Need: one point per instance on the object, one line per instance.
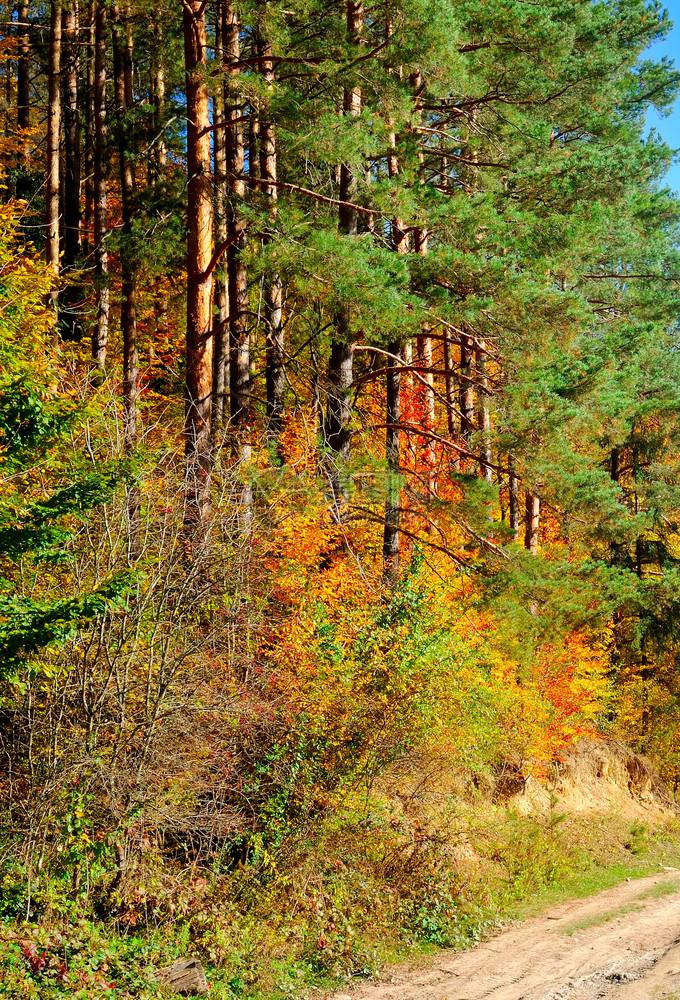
(391, 534)
(451, 400)
(159, 155)
(429, 452)
(337, 430)
(253, 141)
(23, 80)
(88, 217)
(100, 335)
(52, 186)
(513, 498)
(273, 289)
(532, 523)
(221, 332)
(157, 165)
(484, 415)
(239, 338)
(123, 91)
(198, 443)
(467, 396)
(71, 299)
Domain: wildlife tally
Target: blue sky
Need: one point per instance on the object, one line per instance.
(669, 127)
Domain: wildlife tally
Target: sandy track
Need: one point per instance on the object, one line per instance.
(623, 944)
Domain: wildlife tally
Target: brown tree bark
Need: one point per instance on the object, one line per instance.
(157, 166)
(253, 142)
(221, 279)
(198, 444)
(88, 216)
(239, 339)
(123, 93)
(23, 79)
(513, 498)
(159, 152)
(391, 532)
(100, 335)
(429, 452)
(273, 289)
(337, 430)
(484, 414)
(52, 186)
(532, 523)
(451, 400)
(72, 296)
(467, 395)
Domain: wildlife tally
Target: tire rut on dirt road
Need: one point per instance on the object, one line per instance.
(622, 944)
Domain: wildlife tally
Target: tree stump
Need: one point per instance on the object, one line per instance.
(185, 977)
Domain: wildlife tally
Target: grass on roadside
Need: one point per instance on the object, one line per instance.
(366, 891)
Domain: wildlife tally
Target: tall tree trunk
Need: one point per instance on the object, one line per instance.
(467, 395)
(484, 415)
(71, 326)
(253, 140)
(157, 167)
(100, 336)
(198, 444)
(513, 498)
(239, 340)
(8, 190)
(273, 289)
(532, 523)
(391, 532)
(88, 217)
(221, 332)
(451, 400)
(429, 452)
(53, 137)
(337, 430)
(23, 79)
(122, 73)
(617, 549)
(159, 154)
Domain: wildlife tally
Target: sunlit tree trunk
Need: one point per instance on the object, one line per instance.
(513, 498)
(337, 430)
(532, 523)
(239, 339)
(273, 290)
(391, 532)
(221, 334)
(53, 137)
(198, 444)
(467, 396)
(484, 414)
(71, 299)
(429, 453)
(123, 91)
(23, 78)
(88, 216)
(100, 334)
(253, 143)
(450, 377)
(158, 165)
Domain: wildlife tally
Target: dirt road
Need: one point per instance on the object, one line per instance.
(623, 944)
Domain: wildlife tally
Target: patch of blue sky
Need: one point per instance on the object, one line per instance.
(669, 127)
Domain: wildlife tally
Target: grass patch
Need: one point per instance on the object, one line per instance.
(598, 919)
(662, 889)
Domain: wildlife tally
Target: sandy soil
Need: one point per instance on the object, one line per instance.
(623, 944)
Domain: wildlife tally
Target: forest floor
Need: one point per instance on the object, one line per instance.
(621, 944)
